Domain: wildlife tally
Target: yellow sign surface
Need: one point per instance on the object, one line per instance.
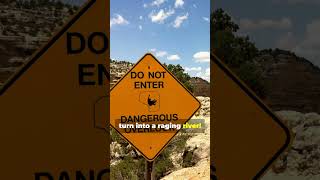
(48, 130)
(149, 98)
(247, 136)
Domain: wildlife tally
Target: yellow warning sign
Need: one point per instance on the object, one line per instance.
(47, 108)
(148, 106)
(247, 136)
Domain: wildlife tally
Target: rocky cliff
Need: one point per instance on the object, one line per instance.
(118, 69)
(24, 27)
(201, 86)
(291, 82)
(301, 161)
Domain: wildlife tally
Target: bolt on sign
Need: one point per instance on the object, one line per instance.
(48, 130)
(149, 105)
(248, 137)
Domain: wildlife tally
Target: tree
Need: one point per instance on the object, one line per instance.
(33, 4)
(234, 50)
(19, 3)
(237, 52)
(43, 3)
(180, 74)
(59, 5)
(221, 21)
(26, 5)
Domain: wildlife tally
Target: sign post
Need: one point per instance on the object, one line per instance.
(149, 174)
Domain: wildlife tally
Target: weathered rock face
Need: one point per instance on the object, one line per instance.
(24, 28)
(199, 145)
(118, 69)
(292, 83)
(201, 87)
(200, 172)
(302, 159)
(205, 106)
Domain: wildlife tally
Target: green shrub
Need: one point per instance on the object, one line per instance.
(237, 52)
(163, 164)
(116, 137)
(136, 166)
(180, 74)
(128, 169)
(248, 72)
(188, 159)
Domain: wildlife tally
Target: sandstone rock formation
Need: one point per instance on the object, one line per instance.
(292, 82)
(118, 69)
(201, 86)
(25, 28)
(205, 106)
(200, 172)
(199, 145)
(301, 161)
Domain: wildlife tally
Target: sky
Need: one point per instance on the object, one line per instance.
(175, 31)
(286, 24)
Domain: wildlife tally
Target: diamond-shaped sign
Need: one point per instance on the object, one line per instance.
(248, 137)
(47, 127)
(150, 96)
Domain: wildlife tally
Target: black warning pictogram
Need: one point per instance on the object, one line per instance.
(151, 99)
(151, 102)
